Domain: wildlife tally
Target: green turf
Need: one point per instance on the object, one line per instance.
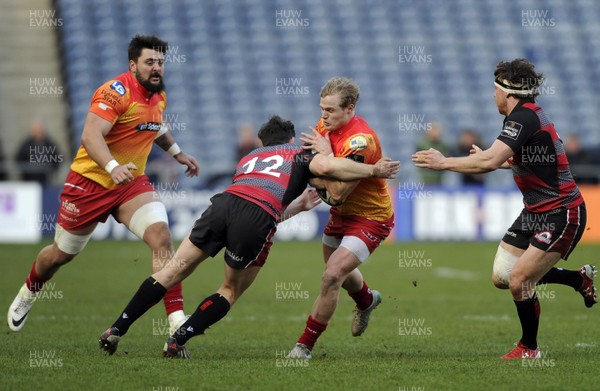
(442, 325)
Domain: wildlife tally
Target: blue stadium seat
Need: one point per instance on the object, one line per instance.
(235, 53)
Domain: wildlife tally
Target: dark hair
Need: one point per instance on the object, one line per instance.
(276, 131)
(520, 73)
(140, 42)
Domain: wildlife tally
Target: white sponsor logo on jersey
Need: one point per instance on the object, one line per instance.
(512, 129)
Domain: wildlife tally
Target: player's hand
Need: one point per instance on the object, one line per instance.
(386, 168)
(474, 149)
(316, 142)
(309, 199)
(121, 175)
(431, 158)
(193, 168)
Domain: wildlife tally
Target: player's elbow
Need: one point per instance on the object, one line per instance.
(490, 165)
(85, 139)
(321, 166)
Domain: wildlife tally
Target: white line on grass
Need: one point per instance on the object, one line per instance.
(455, 274)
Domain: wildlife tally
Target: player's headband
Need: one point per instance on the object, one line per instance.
(512, 88)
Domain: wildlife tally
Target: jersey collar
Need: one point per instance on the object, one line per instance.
(519, 104)
(522, 101)
(347, 126)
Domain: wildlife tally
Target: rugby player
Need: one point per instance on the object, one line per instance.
(554, 215)
(268, 187)
(358, 225)
(107, 176)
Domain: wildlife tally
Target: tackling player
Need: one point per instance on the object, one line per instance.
(267, 188)
(554, 217)
(356, 227)
(107, 176)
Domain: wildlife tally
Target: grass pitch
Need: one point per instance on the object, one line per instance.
(442, 326)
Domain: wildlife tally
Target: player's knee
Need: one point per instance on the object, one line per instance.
(515, 289)
(62, 258)
(51, 256)
(151, 217)
(332, 277)
(499, 282)
(158, 236)
(502, 269)
(520, 285)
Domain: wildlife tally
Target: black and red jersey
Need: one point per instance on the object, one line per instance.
(540, 166)
(272, 177)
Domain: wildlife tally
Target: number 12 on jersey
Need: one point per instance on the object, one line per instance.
(277, 162)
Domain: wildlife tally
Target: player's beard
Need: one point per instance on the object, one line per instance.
(147, 84)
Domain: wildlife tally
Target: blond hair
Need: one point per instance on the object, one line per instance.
(347, 88)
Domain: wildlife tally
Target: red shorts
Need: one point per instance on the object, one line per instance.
(371, 232)
(84, 202)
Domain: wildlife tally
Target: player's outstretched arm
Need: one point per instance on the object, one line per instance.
(477, 163)
(92, 139)
(476, 149)
(165, 140)
(348, 170)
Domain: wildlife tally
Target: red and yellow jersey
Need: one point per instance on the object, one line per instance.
(370, 198)
(136, 116)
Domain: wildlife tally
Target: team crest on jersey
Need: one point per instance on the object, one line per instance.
(511, 129)
(357, 143)
(543, 237)
(118, 86)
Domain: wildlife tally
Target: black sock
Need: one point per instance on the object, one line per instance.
(209, 312)
(529, 315)
(558, 275)
(150, 293)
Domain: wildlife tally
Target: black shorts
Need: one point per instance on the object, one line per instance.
(555, 231)
(242, 227)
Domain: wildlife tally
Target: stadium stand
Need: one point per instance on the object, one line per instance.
(32, 85)
(228, 57)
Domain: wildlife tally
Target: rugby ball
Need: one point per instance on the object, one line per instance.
(326, 197)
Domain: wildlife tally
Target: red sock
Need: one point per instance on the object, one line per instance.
(174, 299)
(363, 298)
(34, 282)
(312, 332)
